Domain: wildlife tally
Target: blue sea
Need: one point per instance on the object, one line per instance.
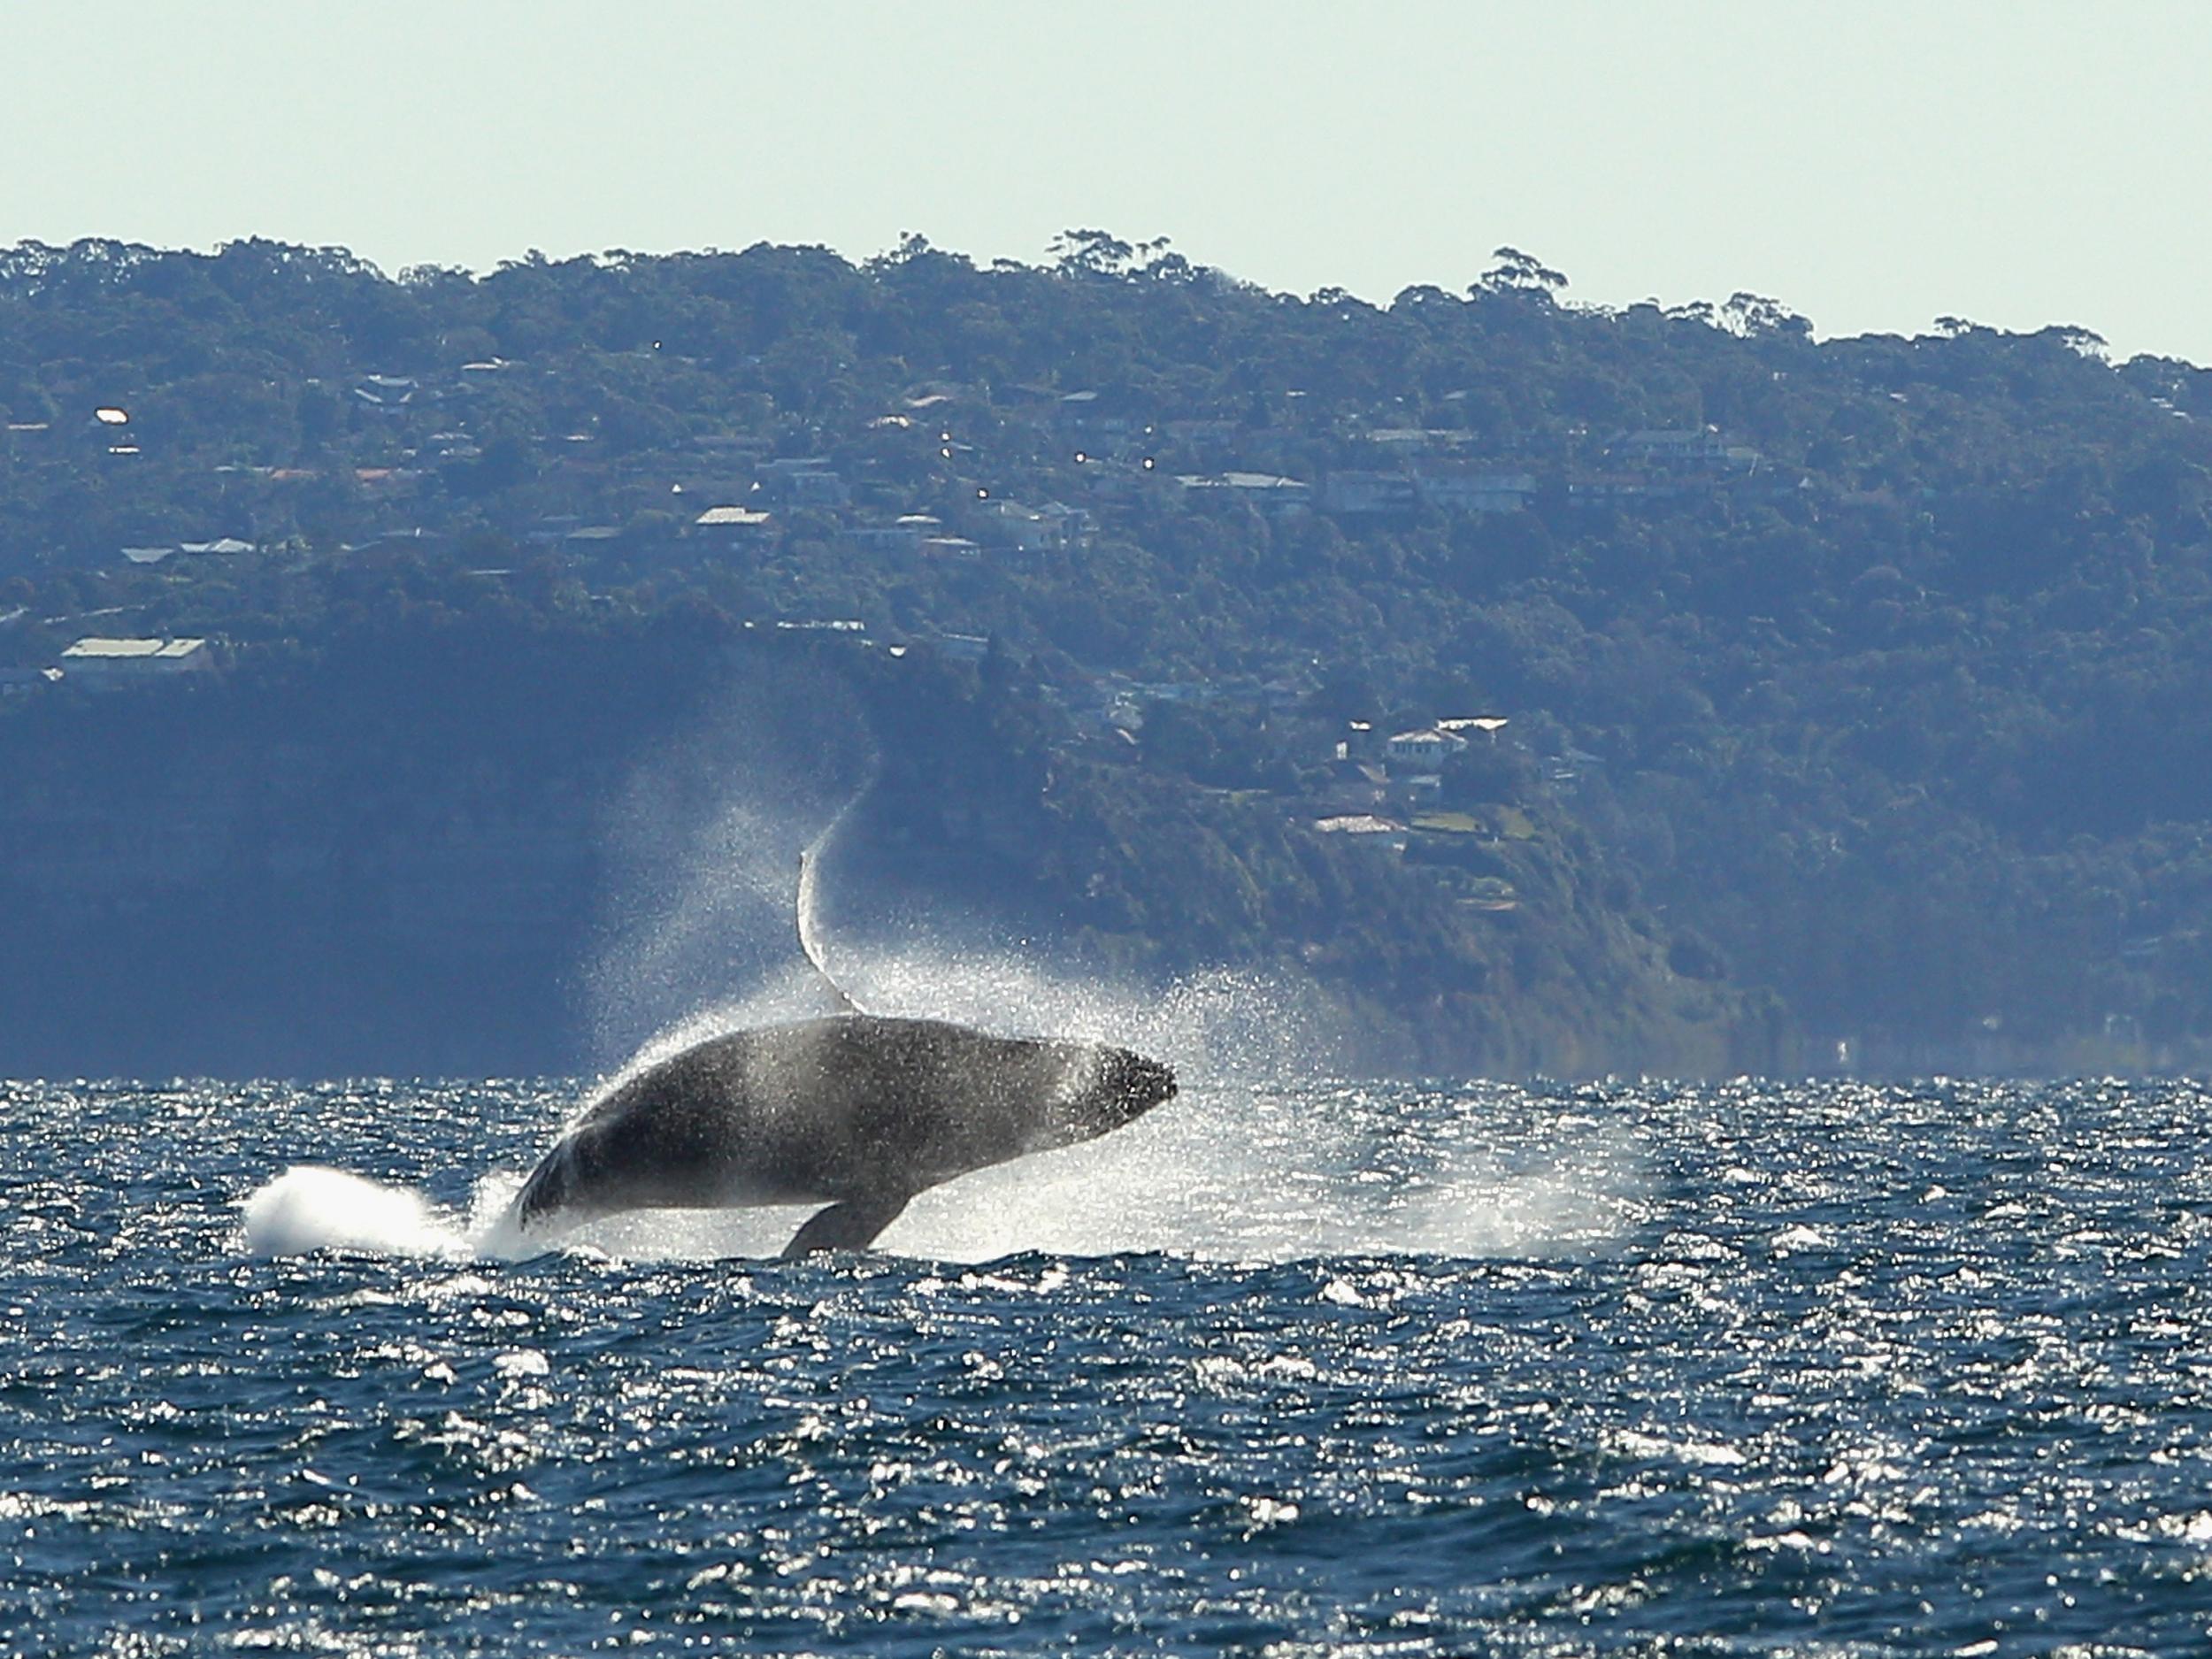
(1287, 1368)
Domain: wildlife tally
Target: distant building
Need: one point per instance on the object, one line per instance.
(1053, 528)
(105, 664)
(1600, 489)
(904, 535)
(1358, 824)
(1267, 491)
(1423, 751)
(389, 392)
(1416, 440)
(735, 523)
(1358, 494)
(1474, 488)
(1670, 447)
(801, 481)
(1074, 524)
(1683, 450)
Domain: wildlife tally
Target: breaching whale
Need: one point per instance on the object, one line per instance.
(856, 1111)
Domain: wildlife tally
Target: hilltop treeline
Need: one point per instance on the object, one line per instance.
(1873, 661)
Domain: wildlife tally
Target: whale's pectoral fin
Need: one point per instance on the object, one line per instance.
(850, 1225)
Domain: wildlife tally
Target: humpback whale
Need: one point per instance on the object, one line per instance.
(856, 1111)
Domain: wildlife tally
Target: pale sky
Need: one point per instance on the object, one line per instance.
(1873, 166)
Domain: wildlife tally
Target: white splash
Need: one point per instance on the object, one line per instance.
(311, 1208)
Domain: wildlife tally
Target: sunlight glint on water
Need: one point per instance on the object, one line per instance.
(1289, 1366)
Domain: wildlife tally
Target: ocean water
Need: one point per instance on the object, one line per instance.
(1287, 1368)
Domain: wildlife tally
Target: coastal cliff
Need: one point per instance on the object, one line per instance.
(417, 851)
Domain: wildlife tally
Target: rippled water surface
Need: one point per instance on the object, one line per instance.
(1297, 1369)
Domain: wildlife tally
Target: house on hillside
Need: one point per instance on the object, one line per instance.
(387, 392)
(1451, 489)
(1371, 828)
(105, 664)
(1683, 450)
(1422, 751)
(1355, 494)
(1053, 528)
(1609, 489)
(1074, 526)
(735, 526)
(800, 481)
(1406, 441)
(1096, 412)
(1270, 492)
(904, 534)
(1022, 528)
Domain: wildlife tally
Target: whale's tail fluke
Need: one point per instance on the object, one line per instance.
(809, 944)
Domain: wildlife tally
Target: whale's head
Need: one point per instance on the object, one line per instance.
(1108, 1087)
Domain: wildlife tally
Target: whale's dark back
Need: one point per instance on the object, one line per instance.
(853, 1107)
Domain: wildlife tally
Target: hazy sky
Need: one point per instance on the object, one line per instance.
(1872, 166)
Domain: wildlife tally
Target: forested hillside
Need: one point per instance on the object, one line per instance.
(1871, 666)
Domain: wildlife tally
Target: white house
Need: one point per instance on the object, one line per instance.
(1422, 751)
(106, 664)
(736, 525)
